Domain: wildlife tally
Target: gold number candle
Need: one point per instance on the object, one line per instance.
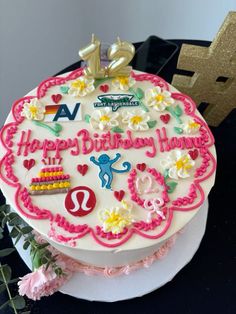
(91, 54)
(121, 53)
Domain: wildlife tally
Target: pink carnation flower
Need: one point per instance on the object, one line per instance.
(40, 283)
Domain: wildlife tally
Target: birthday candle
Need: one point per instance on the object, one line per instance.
(120, 53)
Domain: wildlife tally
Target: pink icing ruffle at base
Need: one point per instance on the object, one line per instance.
(75, 266)
(44, 282)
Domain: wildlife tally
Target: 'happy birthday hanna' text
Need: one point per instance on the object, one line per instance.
(86, 143)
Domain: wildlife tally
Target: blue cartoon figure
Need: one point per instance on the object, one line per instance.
(106, 170)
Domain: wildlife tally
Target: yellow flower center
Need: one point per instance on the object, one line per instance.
(193, 125)
(79, 84)
(159, 97)
(105, 118)
(183, 163)
(136, 119)
(114, 219)
(123, 80)
(33, 111)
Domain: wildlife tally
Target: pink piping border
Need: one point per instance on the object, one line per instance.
(154, 79)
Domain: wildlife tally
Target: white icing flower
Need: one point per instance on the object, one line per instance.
(116, 219)
(123, 82)
(191, 127)
(136, 119)
(178, 164)
(104, 119)
(158, 99)
(33, 110)
(81, 86)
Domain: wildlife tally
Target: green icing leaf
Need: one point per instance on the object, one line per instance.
(139, 93)
(100, 81)
(152, 124)
(171, 186)
(174, 114)
(178, 110)
(6, 252)
(166, 173)
(143, 106)
(116, 129)
(87, 118)
(64, 89)
(57, 127)
(178, 130)
(55, 130)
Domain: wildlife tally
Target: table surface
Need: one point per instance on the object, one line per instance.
(208, 283)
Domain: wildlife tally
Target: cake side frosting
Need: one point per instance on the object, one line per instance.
(126, 162)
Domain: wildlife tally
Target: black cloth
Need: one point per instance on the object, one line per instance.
(208, 283)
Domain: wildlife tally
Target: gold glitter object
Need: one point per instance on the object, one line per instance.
(214, 67)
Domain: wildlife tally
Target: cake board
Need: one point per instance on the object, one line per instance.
(142, 281)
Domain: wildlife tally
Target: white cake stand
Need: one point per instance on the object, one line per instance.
(142, 281)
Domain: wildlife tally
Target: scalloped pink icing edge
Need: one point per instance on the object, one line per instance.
(189, 110)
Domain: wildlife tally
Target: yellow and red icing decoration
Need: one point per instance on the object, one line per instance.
(51, 180)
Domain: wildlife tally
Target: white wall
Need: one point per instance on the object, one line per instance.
(40, 37)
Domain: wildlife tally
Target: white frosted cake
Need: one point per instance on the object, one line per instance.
(106, 170)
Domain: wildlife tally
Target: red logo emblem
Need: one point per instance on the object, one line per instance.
(80, 201)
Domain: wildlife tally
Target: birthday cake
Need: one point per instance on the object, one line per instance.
(106, 168)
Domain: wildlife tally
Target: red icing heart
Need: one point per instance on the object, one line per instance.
(104, 88)
(141, 167)
(82, 169)
(28, 163)
(119, 195)
(56, 98)
(165, 118)
(193, 154)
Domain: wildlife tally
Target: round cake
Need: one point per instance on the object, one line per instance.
(109, 169)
